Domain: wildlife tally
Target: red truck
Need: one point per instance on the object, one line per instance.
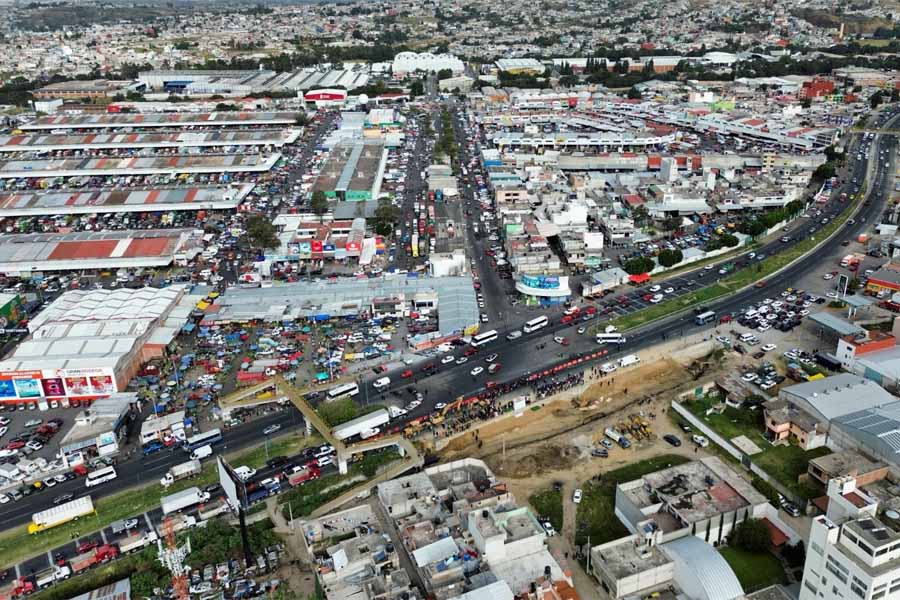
(100, 554)
(301, 477)
(17, 588)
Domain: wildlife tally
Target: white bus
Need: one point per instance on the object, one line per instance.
(347, 389)
(611, 338)
(213, 436)
(484, 338)
(100, 476)
(705, 317)
(535, 324)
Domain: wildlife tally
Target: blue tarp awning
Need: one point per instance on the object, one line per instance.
(189, 327)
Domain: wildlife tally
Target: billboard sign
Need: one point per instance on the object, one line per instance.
(843, 282)
(57, 383)
(231, 484)
(541, 282)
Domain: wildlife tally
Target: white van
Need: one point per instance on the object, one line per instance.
(607, 368)
(627, 361)
(202, 452)
(381, 383)
(746, 337)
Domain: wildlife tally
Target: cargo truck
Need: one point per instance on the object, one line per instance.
(360, 424)
(183, 499)
(302, 476)
(51, 575)
(101, 554)
(59, 515)
(17, 588)
(137, 541)
(617, 437)
(182, 522)
(181, 471)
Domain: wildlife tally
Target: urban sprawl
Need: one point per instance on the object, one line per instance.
(449, 301)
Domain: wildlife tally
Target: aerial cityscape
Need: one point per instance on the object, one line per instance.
(347, 300)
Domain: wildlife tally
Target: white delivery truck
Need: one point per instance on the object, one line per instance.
(51, 575)
(183, 499)
(629, 360)
(59, 515)
(361, 424)
(137, 541)
(180, 471)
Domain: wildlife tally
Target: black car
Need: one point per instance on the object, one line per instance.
(63, 498)
(276, 461)
(600, 452)
(672, 439)
(213, 488)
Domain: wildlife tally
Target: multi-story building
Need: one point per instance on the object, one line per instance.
(853, 551)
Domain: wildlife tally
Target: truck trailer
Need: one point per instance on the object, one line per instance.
(59, 515)
(360, 424)
(183, 499)
(181, 471)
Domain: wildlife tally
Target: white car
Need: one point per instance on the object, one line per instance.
(476, 371)
(462, 360)
(670, 290)
(700, 440)
(832, 295)
(576, 496)
(4, 498)
(440, 405)
(769, 347)
(748, 377)
(35, 445)
(827, 276)
(3, 431)
(655, 288)
(447, 359)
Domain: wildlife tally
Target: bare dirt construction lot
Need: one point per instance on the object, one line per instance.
(554, 442)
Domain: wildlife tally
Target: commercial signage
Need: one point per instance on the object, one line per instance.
(56, 383)
(541, 282)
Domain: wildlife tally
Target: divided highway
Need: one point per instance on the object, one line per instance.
(521, 356)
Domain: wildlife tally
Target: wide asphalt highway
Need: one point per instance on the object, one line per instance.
(517, 357)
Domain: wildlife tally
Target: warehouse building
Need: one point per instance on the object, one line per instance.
(232, 83)
(275, 138)
(25, 254)
(425, 62)
(354, 170)
(167, 120)
(139, 165)
(89, 343)
(88, 202)
(77, 89)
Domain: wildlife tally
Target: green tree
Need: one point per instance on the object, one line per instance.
(751, 535)
(301, 119)
(444, 74)
(319, 202)
(753, 228)
(876, 99)
(670, 258)
(262, 232)
(729, 240)
(634, 93)
(225, 107)
(794, 207)
(824, 171)
(638, 265)
(385, 217)
(417, 88)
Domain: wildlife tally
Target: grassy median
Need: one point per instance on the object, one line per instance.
(16, 544)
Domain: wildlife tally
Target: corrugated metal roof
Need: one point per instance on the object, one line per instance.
(701, 571)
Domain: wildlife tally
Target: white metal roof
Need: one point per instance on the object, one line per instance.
(700, 571)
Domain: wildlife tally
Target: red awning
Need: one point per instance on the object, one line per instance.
(778, 537)
(640, 278)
